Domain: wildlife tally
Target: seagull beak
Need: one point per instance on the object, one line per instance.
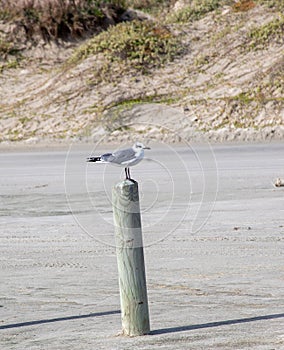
(146, 148)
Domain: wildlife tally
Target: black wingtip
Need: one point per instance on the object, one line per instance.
(93, 159)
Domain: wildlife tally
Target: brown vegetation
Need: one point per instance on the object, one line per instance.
(244, 5)
(60, 19)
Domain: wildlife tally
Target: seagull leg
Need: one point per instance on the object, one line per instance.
(127, 174)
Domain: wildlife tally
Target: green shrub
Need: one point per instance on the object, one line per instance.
(261, 36)
(140, 44)
(272, 4)
(196, 10)
(5, 48)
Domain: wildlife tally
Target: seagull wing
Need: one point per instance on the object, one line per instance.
(107, 157)
(123, 156)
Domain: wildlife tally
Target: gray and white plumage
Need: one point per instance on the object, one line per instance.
(125, 157)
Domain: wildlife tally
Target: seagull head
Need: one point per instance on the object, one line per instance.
(139, 146)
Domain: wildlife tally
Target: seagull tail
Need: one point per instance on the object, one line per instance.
(94, 159)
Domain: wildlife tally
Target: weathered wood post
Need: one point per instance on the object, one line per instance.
(130, 259)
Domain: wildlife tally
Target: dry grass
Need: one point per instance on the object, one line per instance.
(194, 10)
(156, 7)
(270, 33)
(277, 5)
(60, 19)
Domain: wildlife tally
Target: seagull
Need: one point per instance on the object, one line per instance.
(125, 157)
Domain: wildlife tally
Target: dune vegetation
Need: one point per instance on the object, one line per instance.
(67, 65)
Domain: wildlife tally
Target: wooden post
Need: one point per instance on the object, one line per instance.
(130, 259)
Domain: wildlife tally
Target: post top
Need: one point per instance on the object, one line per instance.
(126, 183)
(127, 189)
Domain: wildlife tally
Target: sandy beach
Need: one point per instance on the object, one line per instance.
(213, 232)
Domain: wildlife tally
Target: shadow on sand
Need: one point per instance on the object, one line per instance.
(215, 324)
(154, 332)
(58, 319)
